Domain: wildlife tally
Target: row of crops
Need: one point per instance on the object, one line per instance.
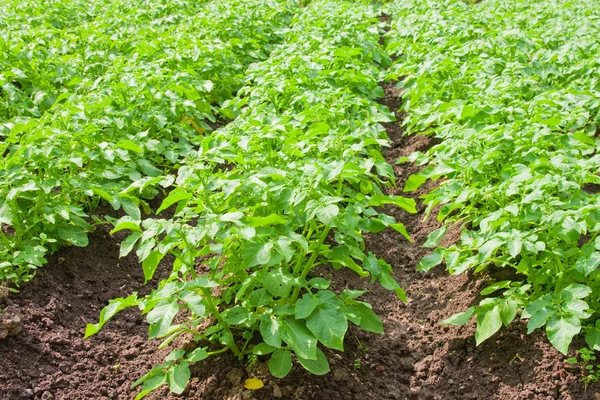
(513, 90)
(259, 122)
(261, 197)
(97, 97)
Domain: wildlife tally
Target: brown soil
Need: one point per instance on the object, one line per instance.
(416, 358)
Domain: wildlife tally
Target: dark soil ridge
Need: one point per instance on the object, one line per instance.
(416, 358)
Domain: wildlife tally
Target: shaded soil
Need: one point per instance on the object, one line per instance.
(416, 358)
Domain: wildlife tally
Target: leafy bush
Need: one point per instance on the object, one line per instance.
(292, 184)
(97, 96)
(512, 89)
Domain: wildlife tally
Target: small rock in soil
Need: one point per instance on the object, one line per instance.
(47, 396)
(341, 375)
(235, 376)
(3, 293)
(277, 393)
(11, 322)
(130, 354)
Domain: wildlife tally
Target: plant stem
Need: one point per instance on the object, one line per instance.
(311, 261)
(210, 304)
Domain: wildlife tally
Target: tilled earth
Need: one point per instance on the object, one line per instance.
(416, 358)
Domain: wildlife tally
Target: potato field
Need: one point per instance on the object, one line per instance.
(299, 199)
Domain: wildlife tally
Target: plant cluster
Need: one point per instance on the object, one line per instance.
(512, 88)
(291, 184)
(99, 97)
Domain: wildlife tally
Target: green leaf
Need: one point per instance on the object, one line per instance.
(459, 318)
(320, 366)
(272, 219)
(269, 330)
(329, 325)
(435, 237)
(129, 145)
(488, 248)
(131, 207)
(175, 196)
(113, 307)
(195, 303)
(74, 235)
(561, 329)
(178, 377)
(589, 260)
(150, 264)
(235, 315)
(369, 321)
(508, 312)
(280, 363)
(132, 226)
(496, 286)
(400, 228)
(414, 182)
(128, 244)
(327, 214)
(254, 254)
(488, 322)
(319, 283)
(151, 383)
(278, 282)
(161, 318)
(295, 333)
(306, 305)
(593, 337)
(539, 312)
(262, 349)
(197, 355)
(577, 291)
(430, 261)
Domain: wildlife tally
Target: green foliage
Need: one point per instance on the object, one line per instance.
(291, 184)
(98, 98)
(512, 89)
(590, 370)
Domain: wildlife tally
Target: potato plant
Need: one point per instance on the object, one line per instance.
(512, 88)
(289, 186)
(96, 97)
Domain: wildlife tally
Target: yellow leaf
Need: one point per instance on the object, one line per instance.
(253, 384)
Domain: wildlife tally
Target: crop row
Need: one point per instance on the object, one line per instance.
(291, 184)
(95, 96)
(513, 90)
